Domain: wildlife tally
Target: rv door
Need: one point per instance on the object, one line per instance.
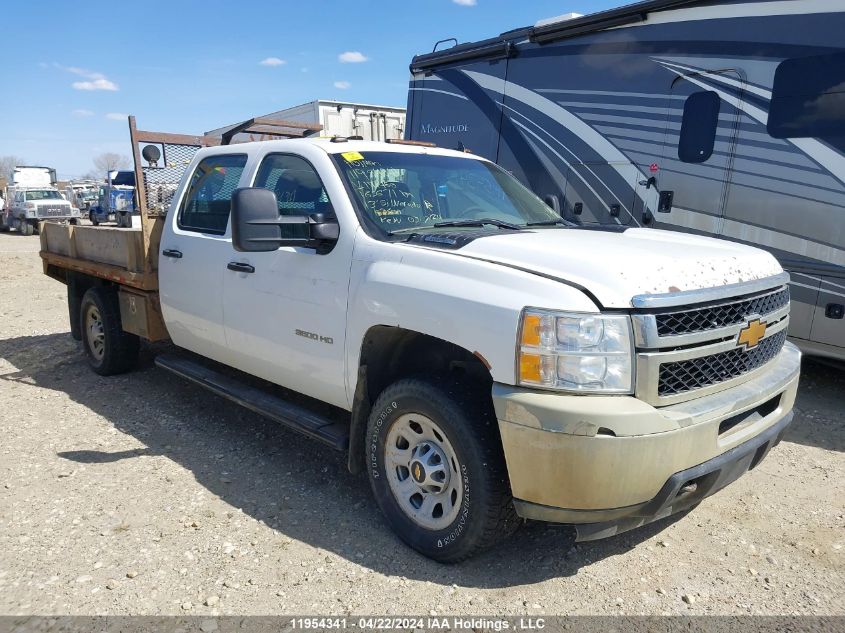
(692, 176)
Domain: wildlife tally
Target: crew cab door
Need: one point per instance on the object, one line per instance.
(195, 248)
(285, 310)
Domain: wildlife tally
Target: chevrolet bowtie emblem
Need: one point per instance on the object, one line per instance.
(751, 334)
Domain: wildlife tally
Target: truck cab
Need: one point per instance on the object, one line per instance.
(115, 200)
(481, 359)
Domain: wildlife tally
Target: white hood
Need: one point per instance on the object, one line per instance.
(617, 266)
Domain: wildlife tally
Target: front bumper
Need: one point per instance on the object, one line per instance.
(611, 463)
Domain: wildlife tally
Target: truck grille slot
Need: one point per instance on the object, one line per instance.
(696, 373)
(714, 317)
(49, 212)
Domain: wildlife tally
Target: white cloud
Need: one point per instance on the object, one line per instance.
(342, 85)
(82, 112)
(272, 61)
(96, 81)
(96, 84)
(352, 57)
(465, 3)
(117, 116)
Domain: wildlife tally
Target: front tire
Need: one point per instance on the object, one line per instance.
(93, 218)
(108, 348)
(437, 470)
(25, 228)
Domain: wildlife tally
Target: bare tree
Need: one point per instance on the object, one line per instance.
(109, 160)
(8, 164)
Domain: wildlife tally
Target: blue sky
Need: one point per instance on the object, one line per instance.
(75, 69)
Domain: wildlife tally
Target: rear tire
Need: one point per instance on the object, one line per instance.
(437, 469)
(108, 348)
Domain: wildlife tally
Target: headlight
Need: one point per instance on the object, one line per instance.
(30, 205)
(587, 353)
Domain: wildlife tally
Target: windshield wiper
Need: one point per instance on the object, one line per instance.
(479, 222)
(549, 223)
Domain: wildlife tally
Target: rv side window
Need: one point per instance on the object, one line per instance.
(698, 127)
(206, 205)
(808, 99)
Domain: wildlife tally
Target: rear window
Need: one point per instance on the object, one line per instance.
(207, 201)
(698, 127)
(808, 99)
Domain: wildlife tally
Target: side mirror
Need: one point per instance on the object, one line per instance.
(256, 223)
(552, 202)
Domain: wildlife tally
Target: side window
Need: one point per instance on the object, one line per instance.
(808, 99)
(207, 201)
(298, 189)
(698, 127)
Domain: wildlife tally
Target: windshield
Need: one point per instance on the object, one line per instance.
(43, 195)
(400, 192)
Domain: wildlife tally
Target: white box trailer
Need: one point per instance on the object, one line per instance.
(34, 177)
(338, 118)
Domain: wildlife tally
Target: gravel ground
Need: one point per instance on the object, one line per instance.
(141, 494)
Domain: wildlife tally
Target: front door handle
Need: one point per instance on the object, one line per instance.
(172, 252)
(240, 267)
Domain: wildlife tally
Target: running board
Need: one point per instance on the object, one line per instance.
(294, 416)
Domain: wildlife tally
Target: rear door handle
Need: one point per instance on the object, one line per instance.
(172, 252)
(240, 267)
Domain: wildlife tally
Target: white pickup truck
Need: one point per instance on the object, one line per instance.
(479, 358)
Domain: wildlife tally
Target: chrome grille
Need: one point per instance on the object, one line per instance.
(697, 373)
(45, 211)
(719, 316)
(688, 342)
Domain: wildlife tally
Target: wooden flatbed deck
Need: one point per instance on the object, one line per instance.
(110, 253)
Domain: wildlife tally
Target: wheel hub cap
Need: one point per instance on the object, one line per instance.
(423, 471)
(96, 333)
(429, 467)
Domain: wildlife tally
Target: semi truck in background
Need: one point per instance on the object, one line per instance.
(115, 200)
(337, 118)
(33, 197)
(723, 118)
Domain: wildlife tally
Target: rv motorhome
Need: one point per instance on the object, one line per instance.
(722, 118)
